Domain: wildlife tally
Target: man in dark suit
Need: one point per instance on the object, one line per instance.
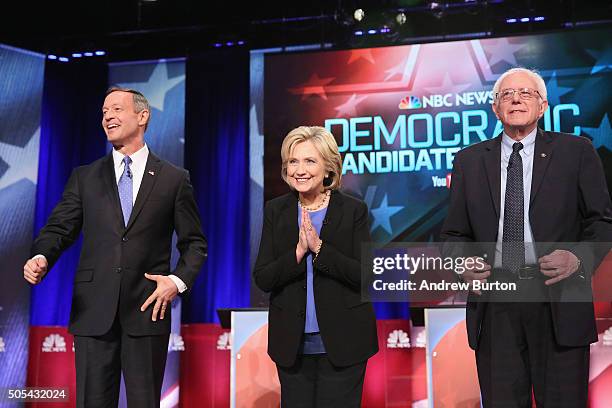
(127, 204)
(522, 188)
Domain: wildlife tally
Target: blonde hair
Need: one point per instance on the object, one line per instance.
(325, 144)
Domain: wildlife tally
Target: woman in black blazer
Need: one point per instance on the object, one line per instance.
(321, 332)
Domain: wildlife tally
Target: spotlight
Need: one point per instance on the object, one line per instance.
(88, 54)
(63, 59)
(524, 19)
(359, 32)
(511, 20)
(359, 15)
(538, 18)
(372, 31)
(400, 18)
(52, 57)
(100, 53)
(76, 55)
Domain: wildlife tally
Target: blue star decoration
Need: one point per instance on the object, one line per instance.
(555, 92)
(22, 161)
(602, 135)
(604, 60)
(382, 215)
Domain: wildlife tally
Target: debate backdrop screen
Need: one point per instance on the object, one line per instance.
(401, 113)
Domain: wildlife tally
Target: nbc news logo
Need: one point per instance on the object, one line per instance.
(410, 102)
(54, 343)
(176, 342)
(224, 342)
(398, 339)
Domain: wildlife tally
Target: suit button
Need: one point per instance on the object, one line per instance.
(124, 239)
(301, 313)
(118, 270)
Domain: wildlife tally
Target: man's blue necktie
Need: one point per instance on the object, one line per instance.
(126, 190)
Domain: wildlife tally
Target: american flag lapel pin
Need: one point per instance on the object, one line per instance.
(151, 172)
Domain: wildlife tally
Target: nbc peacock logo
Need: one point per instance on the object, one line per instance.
(410, 102)
(224, 342)
(176, 343)
(54, 343)
(398, 339)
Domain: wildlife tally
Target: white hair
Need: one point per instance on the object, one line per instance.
(531, 72)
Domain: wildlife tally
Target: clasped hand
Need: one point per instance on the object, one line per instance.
(308, 238)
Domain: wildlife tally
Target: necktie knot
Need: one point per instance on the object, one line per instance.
(517, 147)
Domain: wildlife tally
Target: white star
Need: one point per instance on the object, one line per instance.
(502, 50)
(22, 161)
(447, 86)
(157, 86)
(256, 148)
(396, 70)
(349, 108)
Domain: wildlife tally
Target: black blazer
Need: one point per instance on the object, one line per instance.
(569, 202)
(114, 258)
(347, 323)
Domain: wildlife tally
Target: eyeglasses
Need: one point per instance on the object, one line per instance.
(525, 94)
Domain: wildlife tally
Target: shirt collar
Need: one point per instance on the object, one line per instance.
(141, 155)
(528, 142)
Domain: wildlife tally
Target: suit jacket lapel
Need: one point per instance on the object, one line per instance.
(492, 163)
(541, 157)
(290, 215)
(110, 181)
(333, 216)
(148, 181)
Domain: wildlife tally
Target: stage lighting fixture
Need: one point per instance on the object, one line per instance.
(400, 18)
(540, 18)
(100, 53)
(359, 15)
(525, 20)
(511, 20)
(88, 54)
(63, 59)
(52, 57)
(359, 32)
(76, 55)
(372, 31)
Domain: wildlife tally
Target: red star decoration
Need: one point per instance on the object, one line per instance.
(314, 86)
(366, 54)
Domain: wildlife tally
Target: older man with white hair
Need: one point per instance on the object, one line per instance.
(536, 197)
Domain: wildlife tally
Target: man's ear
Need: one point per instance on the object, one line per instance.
(543, 108)
(143, 117)
(494, 108)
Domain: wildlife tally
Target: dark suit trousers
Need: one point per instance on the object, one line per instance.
(313, 382)
(100, 360)
(517, 353)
